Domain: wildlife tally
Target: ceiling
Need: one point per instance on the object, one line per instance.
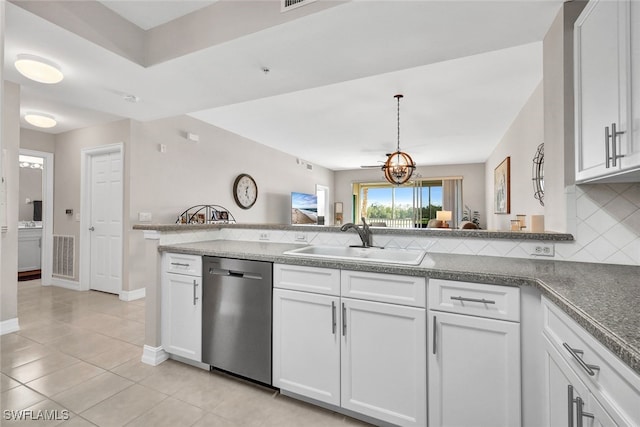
(465, 69)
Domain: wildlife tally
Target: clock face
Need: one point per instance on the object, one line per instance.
(245, 191)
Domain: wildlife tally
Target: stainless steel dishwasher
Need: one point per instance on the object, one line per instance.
(236, 316)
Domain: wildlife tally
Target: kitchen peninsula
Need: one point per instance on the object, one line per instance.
(601, 298)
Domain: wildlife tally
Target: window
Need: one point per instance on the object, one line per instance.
(407, 206)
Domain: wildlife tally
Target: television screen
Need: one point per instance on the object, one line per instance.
(304, 208)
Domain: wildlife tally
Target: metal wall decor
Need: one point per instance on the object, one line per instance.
(537, 174)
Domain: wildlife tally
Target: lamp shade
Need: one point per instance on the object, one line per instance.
(443, 215)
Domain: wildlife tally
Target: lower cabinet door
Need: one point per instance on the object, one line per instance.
(306, 344)
(565, 392)
(474, 371)
(384, 361)
(182, 316)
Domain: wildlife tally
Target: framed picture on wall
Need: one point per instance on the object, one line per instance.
(502, 187)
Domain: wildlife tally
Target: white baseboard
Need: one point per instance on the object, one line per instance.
(9, 325)
(67, 284)
(133, 295)
(154, 355)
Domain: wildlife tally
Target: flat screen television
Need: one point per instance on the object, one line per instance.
(304, 208)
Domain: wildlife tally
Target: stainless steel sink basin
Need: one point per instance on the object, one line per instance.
(392, 256)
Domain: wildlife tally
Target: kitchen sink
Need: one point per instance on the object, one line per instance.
(385, 255)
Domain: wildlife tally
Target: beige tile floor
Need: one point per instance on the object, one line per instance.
(78, 353)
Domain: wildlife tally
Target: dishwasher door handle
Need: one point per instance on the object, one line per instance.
(232, 273)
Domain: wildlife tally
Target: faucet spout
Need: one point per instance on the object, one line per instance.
(364, 233)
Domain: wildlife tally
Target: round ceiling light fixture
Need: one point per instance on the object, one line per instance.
(40, 120)
(38, 69)
(399, 165)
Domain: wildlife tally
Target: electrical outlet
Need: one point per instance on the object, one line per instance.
(144, 216)
(543, 249)
(301, 237)
(264, 236)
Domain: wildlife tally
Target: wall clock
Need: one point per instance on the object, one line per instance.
(245, 191)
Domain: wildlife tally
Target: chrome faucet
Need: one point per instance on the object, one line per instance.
(364, 232)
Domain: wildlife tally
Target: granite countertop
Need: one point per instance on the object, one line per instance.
(602, 298)
(434, 232)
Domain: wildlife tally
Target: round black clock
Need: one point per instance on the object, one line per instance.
(245, 191)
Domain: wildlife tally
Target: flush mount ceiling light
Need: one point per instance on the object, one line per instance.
(399, 165)
(40, 120)
(38, 69)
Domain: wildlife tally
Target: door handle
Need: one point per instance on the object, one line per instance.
(92, 228)
(614, 134)
(607, 153)
(575, 354)
(570, 406)
(344, 320)
(580, 414)
(333, 317)
(480, 300)
(195, 286)
(435, 324)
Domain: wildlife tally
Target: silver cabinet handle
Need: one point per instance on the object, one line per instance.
(180, 264)
(580, 414)
(434, 334)
(587, 367)
(480, 300)
(570, 402)
(607, 153)
(195, 286)
(92, 228)
(614, 134)
(333, 317)
(344, 320)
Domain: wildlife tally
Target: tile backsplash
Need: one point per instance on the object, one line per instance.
(603, 218)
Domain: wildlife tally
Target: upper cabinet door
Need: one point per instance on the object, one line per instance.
(605, 146)
(600, 84)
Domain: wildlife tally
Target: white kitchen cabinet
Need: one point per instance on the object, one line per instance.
(384, 361)
(570, 401)
(366, 356)
(182, 305)
(609, 388)
(604, 75)
(29, 249)
(474, 362)
(306, 344)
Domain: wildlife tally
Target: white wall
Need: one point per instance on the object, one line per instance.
(9, 261)
(519, 143)
(68, 146)
(472, 184)
(188, 174)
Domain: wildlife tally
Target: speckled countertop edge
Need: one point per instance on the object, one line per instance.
(434, 232)
(547, 276)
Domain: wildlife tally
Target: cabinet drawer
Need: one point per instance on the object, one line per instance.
(391, 288)
(475, 299)
(190, 265)
(308, 279)
(614, 384)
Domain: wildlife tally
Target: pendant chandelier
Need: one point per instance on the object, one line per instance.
(399, 165)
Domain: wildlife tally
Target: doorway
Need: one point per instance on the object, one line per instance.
(36, 219)
(101, 218)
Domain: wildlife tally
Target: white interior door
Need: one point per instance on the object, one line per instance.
(105, 223)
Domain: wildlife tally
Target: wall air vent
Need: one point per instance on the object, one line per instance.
(63, 255)
(293, 4)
